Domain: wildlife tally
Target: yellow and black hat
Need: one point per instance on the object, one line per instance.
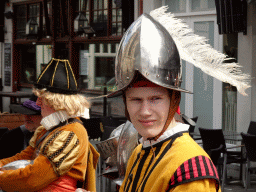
(57, 77)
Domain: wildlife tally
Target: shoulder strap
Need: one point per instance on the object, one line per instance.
(26, 136)
(196, 168)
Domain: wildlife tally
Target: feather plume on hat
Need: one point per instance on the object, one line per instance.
(194, 49)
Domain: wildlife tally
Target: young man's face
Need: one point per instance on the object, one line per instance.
(148, 108)
(45, 109)
(32, 122)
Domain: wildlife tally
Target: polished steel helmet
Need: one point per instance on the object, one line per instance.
(149, 49)
(126, 144)
(117, 149)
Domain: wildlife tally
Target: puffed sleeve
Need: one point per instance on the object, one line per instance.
(58, 153)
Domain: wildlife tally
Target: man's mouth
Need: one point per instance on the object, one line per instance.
(147, 122)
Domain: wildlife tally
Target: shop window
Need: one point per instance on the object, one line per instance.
(104, 70)
(185, 6)
(104, 16)
(33, 60)
(21, 19)
(28, 63)
(97, 65)
(202, 5)
(28, 11)
(176, 6)
(43, 56)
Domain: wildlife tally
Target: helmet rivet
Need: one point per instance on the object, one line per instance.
(167, 78)
(147, 73)
(157, 75)
(128, 78)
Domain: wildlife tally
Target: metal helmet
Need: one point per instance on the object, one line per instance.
(147, 47)
(117, 149)
(127, 142)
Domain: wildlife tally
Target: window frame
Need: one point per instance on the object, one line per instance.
(90, 11)
(41, 20)
(189, 11)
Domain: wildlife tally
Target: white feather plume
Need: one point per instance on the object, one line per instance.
(194, 49)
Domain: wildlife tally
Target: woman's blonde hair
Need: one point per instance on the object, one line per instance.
(74, 105)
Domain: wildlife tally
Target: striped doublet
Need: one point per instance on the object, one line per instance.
(177, 160)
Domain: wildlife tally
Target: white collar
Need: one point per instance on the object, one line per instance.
(168, 133)
(54, 119)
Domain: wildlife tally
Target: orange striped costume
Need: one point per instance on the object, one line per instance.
(180, 164)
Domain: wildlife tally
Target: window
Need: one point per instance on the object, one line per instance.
(185, 6)
(104, 70)
(96, 64)
(176, 6)
(202, 5)
(21, 21)
(33, 59)
(105, 16)
(28, 11)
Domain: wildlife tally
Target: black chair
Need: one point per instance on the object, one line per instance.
(214, 144)
(191, 122)
(249, 142)
(252, 128)
(93, 127)
(100, 127)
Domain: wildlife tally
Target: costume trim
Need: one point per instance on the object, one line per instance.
(138, 172)
(148, 172)
(196, 168)
(167, 148)
(61, 149)
(180, 127)
(130, 174)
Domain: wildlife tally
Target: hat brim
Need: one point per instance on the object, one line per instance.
(23, 110)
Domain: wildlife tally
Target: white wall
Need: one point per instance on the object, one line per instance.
(245, 58)
(246, 105)
(253, 24)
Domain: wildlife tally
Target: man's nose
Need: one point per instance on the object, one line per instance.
(145, 108)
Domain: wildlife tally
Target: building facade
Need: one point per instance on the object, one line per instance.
(217, 104)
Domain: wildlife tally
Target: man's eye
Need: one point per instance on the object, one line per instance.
(155, 98)
(136, 99)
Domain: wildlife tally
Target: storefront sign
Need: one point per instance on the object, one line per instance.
(7, 64)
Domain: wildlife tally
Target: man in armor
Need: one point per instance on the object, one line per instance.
(148, 75)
